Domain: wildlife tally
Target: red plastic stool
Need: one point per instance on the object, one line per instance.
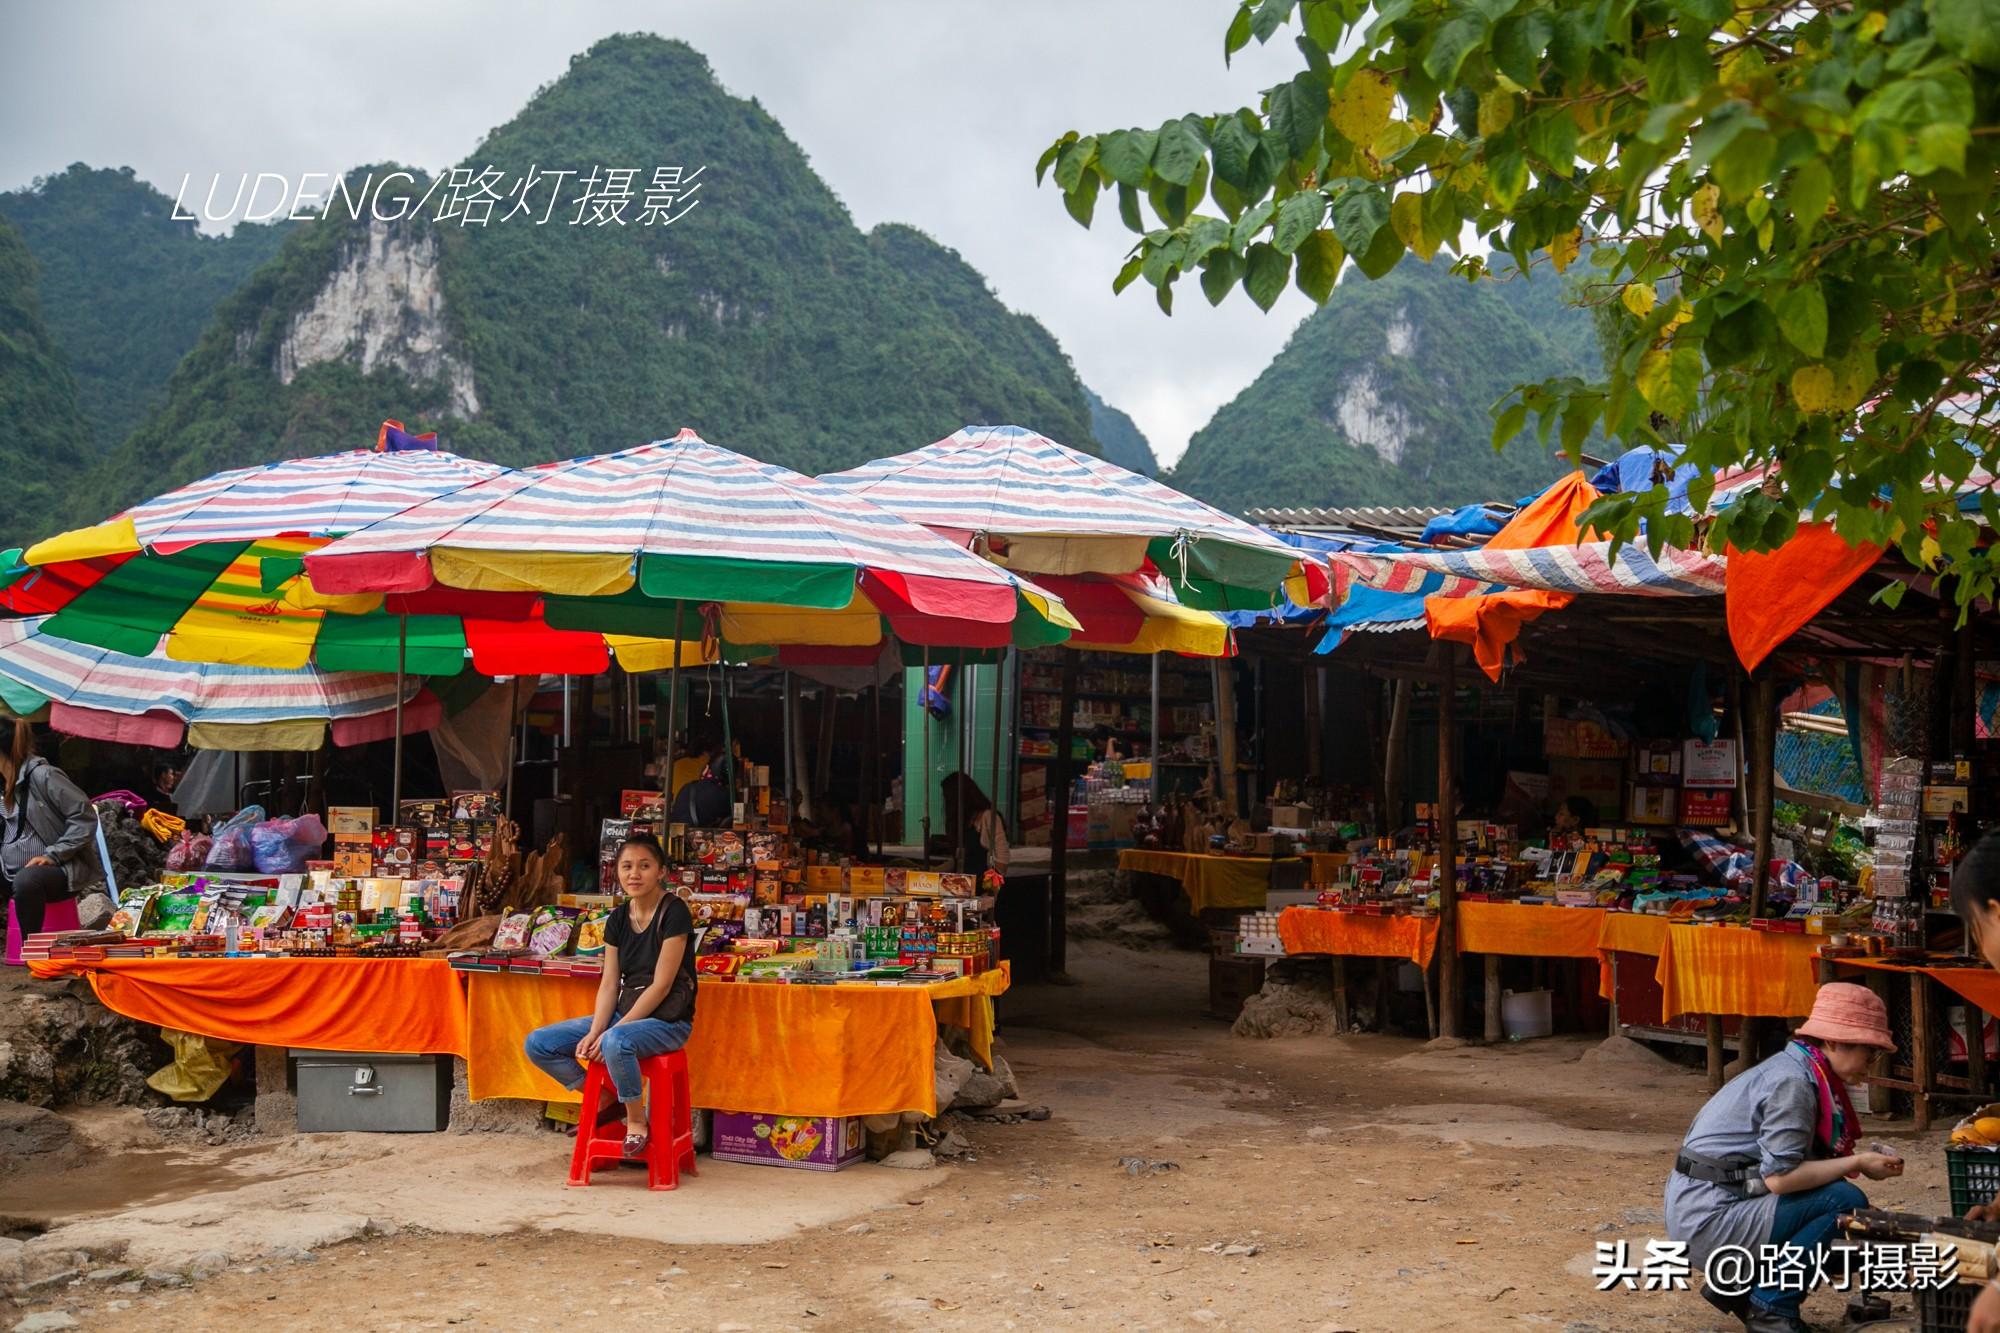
(669, 1123)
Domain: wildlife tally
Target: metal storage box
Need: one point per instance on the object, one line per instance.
(342, 1091)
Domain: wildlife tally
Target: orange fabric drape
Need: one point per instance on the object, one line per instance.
(1627, 932)
(1530, 930)
(1492, 621)
(1979, 985)
(1210, 881)
(331, 1004)
(1353, 935)
(1771, 594)
(1735, 970)
(787, 1050)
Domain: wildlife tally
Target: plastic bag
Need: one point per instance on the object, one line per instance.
(231, 849)
(201, 1066)
(283, 846)
(190, 851)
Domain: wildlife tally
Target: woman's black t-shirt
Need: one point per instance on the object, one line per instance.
(639, 955)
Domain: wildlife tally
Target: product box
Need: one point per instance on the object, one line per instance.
(826, 879)
(353, 860)
(867, 879)
(351, 821)
(475, 805)
(814, 1143)
(641, 802)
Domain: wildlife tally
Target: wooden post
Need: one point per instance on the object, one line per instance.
(1761, 732)
(1059, 778)
(1714, 1052)
(1393, 755)
(1447, 822)
(1340, 1009)
(1493, 1029)
(1921, 1073)
(1975, 1048)
(1225, 733)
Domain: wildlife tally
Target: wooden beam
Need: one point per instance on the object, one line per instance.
(1761, 728)
(1225, 732)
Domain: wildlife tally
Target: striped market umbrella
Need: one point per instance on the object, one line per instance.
(679, 539)
(156, 701)
(1043, 508)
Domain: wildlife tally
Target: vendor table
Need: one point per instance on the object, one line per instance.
(412, 1005)
(1735, 970)
(1921, 1022)
(1212, 881)
(1530, 930)
(1357, 935)
(786, 1049)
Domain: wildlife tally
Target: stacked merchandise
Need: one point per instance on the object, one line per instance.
(1899, 914)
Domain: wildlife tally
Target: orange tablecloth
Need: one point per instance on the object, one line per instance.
(789, 1050)
(1735, 970)
(1633, 932)
(1325, 867)
(1210, 881)
(1533, 930)
(1310, 930)
(328, 1004)
(1980, 985)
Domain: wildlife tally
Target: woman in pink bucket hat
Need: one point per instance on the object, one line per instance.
(1768, 1160)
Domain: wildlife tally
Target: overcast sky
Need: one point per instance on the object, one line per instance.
(919, 111)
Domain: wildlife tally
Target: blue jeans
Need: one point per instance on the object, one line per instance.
(1805, 1222)
(624, 1045)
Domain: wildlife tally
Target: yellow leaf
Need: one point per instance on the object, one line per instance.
(1563, 249)
(1682, 315)
(1871, 25)
(1361, 109)
(1496, 111)
(1812, 388)
(1853, 377)
(1938, 316)
(1930, 552)
(1707, 204)
(1406, 215)
(1766, 230)
(1639, 298)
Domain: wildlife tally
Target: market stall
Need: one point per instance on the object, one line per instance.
(1212, 881)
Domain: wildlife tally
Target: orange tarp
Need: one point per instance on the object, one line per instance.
(1493, 620)
(1735, 970)
(1309, 930)
(1210, 881)
(1771, 594)
(1627, 932)
(1980, 985)
(788, 1050)
(327, 1004)
(1532, 930)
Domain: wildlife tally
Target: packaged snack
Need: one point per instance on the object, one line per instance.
(551, 930)
(513, 931)
(590, 934)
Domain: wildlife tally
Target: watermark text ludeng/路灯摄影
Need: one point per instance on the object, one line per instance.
(467, 196)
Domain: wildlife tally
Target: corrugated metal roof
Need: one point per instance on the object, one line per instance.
(1368, 518)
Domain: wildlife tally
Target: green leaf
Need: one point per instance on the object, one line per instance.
(1677, 68)
(1128, 208)
(1269, 17)
(1811, 189)
(1205, 236)
(1802, 319)
(1670, 380)
(1324, 23)
(1238, 35)
(1179, 150)
(1128, 273)
(1233, 143)
(1126, 154)
(1074, 159)
(1359, 212)
(1319, 260)
(1219, 273)
(1251, 223)
(1298, 110)
(1518, 43)
(1082, 201)
(1053, 151)
(1451, 44)
(1383, 253)
(1968, 28)
(1266, 273)
(1745, 165)
(1297, 218)
(1507, 422)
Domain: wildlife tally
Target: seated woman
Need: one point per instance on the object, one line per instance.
(1767, 1160)
(1975, 896)
(645, 1001)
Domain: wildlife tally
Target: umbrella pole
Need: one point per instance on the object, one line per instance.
(875, 765)
(513, 746)
(402, 648)
(788, 739)
(968, 692)
(667, 728)
(1000, 675)
(924, 721)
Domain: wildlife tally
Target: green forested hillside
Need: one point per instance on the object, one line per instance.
(1383, 395)
(762, 317)
(45, 431)
(1120, 437)
(126, 290)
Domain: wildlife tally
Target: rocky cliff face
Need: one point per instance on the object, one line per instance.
(59, 1046)
(382, 308)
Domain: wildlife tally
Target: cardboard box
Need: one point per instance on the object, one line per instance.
(1288, 816)
(351, 821)
(812, 1143)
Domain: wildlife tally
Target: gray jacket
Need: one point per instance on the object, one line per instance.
(64, 819)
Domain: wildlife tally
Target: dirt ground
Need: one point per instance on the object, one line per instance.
(1316, 1183)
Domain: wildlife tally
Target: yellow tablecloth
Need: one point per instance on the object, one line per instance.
(1631, 932)
(1210, 881)
(1311, 930)
(1326, 867)
(788, 1050)
(1736, 970)
(1531, 930)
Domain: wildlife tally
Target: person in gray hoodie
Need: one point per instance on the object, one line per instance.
(48, 843)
